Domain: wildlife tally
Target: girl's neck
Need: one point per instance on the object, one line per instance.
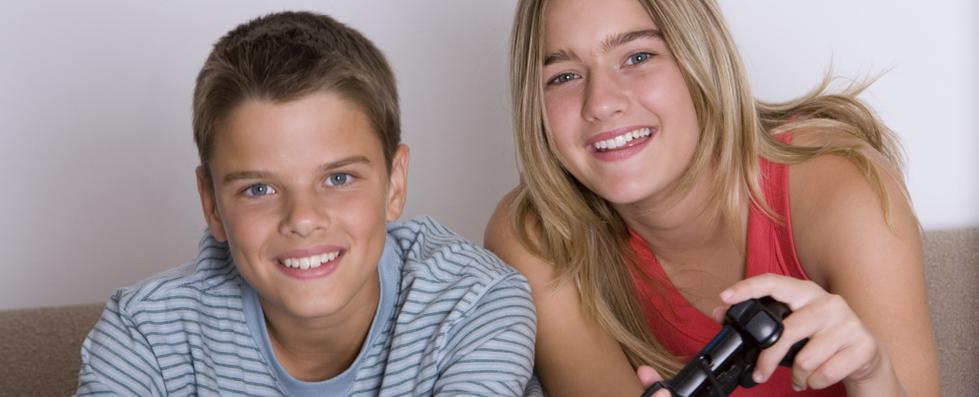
(691, 224)
(316, 349)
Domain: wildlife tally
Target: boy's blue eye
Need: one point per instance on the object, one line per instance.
(562, 78)
(638, 58)
(338, 179)
(259, 190)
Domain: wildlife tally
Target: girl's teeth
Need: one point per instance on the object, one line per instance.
(621, 140)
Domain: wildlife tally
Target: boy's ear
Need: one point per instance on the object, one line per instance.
(209, 204)
(398, 184)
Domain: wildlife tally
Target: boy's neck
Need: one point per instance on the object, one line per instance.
(318, 349)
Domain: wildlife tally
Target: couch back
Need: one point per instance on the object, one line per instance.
(39, 348)
(952, 277)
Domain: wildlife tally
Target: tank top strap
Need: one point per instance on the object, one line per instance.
(770, 247)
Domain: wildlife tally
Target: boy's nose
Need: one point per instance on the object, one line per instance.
(303, 217)
(604, 98)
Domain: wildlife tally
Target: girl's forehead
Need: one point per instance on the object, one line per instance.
(589, 23)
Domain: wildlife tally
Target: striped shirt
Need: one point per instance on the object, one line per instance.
(451, 319)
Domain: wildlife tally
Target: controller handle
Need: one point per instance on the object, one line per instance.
(780, 311)
(729, 359)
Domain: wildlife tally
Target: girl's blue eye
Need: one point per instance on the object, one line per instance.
(259, 190)
(562, 78)
(638, 58)
(338, 179)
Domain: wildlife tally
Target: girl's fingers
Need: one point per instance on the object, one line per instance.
(836, 368)
(793, 292)
(796, 327)
(718, 313)
(849, 351)
(839, 345)
(647, 375)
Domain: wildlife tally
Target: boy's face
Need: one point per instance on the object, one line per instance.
(301, 192)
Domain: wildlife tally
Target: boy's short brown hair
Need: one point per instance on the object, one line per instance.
(284, 56)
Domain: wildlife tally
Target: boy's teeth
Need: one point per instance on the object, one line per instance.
(310, 262)
(621, 140)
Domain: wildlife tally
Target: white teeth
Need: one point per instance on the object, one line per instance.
(310, 262)
(621, 140)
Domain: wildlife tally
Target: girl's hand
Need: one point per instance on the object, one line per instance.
(840, 348)
(648, 376)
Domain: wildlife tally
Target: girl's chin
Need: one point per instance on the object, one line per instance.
(622, 195)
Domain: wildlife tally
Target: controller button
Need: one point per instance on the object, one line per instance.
(737, 311)
(764, 329)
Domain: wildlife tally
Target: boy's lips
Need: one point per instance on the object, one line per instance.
(310, 263)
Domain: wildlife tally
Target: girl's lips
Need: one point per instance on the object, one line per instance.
(639, 138)
(630, 149)
(616, 132)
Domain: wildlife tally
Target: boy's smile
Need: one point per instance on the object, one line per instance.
(310, 263)
(301, 191)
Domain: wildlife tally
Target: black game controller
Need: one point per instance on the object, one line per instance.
(729, 359)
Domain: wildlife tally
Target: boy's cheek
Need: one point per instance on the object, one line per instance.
(235, 221)
(213, 218)
(239, 220)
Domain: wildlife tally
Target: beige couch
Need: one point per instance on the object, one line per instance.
(39, 348)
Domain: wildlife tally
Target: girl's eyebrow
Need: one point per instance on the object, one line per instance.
(623, 38)
(609, 43)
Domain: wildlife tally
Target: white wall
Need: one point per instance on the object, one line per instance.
(927, 54)
(98, 158)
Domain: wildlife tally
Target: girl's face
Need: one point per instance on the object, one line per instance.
(619, 112)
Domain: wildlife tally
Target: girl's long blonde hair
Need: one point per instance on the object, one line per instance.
(560, 220)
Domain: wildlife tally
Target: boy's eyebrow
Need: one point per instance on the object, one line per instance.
(234, 176)
(345, 162)
(607, 44)
(237, 175)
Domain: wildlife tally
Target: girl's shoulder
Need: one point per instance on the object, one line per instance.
(845, 203)
(501, 238)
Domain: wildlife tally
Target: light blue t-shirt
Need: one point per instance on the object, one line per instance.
(451, 319)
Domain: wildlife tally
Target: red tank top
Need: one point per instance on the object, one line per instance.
(684, 330)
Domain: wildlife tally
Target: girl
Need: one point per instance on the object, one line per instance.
(656, 191)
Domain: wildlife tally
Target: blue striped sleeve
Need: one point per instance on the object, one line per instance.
(490, 350)
(117, 359)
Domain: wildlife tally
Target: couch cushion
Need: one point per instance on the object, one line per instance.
(952, 276)
(40, 349)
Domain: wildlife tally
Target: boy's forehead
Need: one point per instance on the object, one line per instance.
(325, 124)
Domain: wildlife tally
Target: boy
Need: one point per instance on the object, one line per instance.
(302, 286)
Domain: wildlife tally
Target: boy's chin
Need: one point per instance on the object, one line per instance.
(312, 306)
